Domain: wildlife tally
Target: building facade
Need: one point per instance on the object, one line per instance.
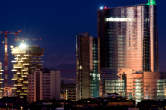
(68, 91)
(50, 85)
(161, 86)
(44, 85)
(136, 85)
(128, 38)
(26, 60)
(87, 75)
(129, 51)
(1, 82)
(34, 86)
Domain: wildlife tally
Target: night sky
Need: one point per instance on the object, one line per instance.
(58, 21)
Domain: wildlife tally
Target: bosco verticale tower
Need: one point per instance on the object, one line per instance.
(26, 60)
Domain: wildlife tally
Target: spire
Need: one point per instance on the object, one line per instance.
(151, 2)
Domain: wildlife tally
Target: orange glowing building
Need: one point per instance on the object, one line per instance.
(128, 38)
(128, 52)
(140, 85)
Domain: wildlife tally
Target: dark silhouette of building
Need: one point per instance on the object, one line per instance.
(87, 76)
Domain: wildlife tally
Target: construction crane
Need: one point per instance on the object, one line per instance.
(27, 39)
(5, 35)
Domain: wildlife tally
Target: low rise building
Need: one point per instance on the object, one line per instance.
(136, 85)
(69, 92)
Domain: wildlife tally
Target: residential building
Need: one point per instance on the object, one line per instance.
(44, 85)
(26, 60)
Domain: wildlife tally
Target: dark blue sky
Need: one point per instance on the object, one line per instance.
(58, 22)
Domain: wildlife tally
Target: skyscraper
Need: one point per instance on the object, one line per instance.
(129, 50)
(87, 76)
(128, 38)
(26, 60)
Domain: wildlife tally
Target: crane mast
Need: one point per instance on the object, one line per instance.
(6, 33)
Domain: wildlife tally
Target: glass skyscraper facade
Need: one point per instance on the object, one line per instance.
(128, 38)
(124, 58)
(129, 46)
(87, 75)
(94, 74)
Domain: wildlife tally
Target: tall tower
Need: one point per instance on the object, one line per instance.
(153, 36)
(128, 38)
(129, 46)
(26, 60)
(87, 76)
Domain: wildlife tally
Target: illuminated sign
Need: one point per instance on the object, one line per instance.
(151, 2)
(118, 19)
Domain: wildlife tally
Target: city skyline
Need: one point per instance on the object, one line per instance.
(125, 55)
(40, 19)
(99, 54)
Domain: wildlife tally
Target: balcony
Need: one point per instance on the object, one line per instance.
(25, 82)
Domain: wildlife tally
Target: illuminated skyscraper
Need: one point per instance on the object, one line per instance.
(129, 48)
(26, 60)
(128, 38)
(87, 76)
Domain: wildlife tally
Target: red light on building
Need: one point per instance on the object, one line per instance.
(105, 7)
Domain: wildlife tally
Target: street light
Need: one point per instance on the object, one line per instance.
(21, 107)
